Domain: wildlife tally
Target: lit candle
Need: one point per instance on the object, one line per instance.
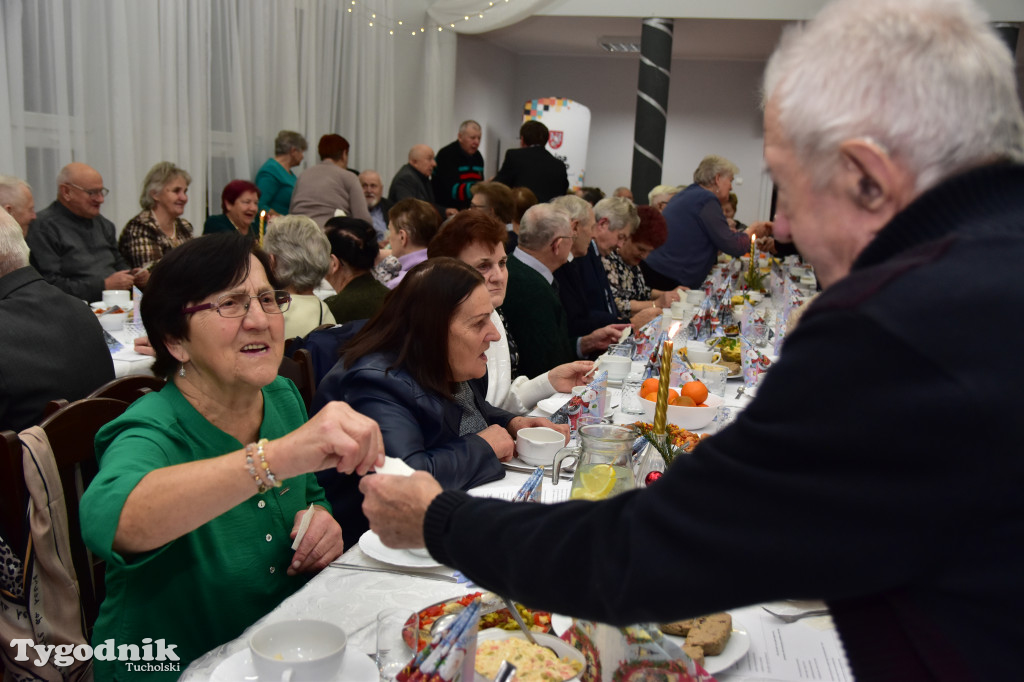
(263, 217)
(661, 406)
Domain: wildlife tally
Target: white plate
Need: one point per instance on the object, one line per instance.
(355, 667)
(555, 402)
(370, 543)
(737, 647)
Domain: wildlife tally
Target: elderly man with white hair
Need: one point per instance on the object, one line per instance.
(460, 165)
(533, 311)
(53, 345)
(894, 133)
(16, 198)
(73, 246)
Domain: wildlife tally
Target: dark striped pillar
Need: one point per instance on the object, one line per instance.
(1009, 33)
(651, 106)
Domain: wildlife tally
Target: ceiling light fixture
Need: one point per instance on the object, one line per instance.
(623, 44)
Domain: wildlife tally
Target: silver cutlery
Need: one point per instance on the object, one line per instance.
(794, 617)
(740, 391)
(526, 469)
(522, 626)
(414, 574)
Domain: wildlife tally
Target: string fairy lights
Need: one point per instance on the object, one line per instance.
(374, 19)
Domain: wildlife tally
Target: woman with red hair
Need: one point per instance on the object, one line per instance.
(240, 202)
(630, 290)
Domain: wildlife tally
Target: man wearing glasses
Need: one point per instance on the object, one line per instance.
(533, 311)
(73, 246)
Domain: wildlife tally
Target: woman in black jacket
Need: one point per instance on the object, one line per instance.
(413, 368)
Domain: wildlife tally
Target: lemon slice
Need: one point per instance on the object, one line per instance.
(595, 484)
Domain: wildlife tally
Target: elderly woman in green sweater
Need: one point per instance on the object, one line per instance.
(202, 486)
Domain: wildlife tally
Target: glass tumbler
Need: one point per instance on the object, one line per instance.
(630, 402)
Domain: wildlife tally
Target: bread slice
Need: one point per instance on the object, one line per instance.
(678, 628)
(711, 633)
(695, 653)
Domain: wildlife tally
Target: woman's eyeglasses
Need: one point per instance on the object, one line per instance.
(237, 305)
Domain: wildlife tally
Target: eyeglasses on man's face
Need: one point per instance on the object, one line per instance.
(237, 305)
(93, 193)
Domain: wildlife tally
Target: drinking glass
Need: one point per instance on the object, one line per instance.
(713, 377)
(757, 333)
(630, 403)
(397, 636)
(624, 350)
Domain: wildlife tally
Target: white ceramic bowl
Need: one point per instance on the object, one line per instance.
(690, 418)
(310, 649)
(562, 648)
(113, 321)
(537, 445)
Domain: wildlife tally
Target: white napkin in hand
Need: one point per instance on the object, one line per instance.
(307, 516)
(395, 467)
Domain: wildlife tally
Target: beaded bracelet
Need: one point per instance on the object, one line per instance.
(263, 461)
(251, 464)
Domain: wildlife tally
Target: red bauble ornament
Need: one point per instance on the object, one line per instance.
(652, 477)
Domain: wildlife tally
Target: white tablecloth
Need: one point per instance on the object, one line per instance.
(808, 650)
(126, 360)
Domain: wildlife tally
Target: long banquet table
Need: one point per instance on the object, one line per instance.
(126, 360)
(808, 650)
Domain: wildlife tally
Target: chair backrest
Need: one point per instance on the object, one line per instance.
(299, 368)
(71, 432)
(13, 496)
(129, 388)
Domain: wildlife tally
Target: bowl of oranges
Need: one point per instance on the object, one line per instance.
(690, 406)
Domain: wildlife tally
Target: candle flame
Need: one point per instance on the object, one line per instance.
(673, 329)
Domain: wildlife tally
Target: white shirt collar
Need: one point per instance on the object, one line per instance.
(535, 264)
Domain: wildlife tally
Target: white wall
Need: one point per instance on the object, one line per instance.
(713, 109)
(485, 92)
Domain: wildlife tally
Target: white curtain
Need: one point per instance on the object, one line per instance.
(122, 84)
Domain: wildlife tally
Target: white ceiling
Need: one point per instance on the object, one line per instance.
(718, 39)
(707, 39)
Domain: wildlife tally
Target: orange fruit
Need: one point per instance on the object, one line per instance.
(673, 394)
(650, 385)
(702, 405)
(683, 401)
(652, 396)
(696, 390)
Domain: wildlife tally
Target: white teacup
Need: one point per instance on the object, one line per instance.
(702, 353)
(695, 296)
(537, 445)
(112, 297)
(616, 366)
(681, 310)
(298, 650)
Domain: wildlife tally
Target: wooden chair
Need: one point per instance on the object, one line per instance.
(300, 370)
(129, 388)
(71, 432)
(13, 494)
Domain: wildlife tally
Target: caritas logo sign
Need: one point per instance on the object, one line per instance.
(568, 125)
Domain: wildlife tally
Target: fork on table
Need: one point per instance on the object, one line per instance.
(792, 618)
